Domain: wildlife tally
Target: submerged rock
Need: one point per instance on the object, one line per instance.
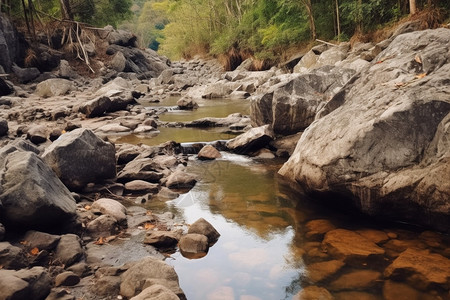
(382, 142)
(201, 226)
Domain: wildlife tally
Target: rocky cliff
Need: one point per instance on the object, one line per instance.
(382, 141)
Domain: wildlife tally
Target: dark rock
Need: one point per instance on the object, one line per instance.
(3, 127)
(147, 272)
(32, 195)
(394, 171)
(120, 37)
(12, 44)
(66, 279)
(80, 157)
(201, 226)
(55, 134)
(187, 104)
(69, 250)
(25, 75)
(25, 284)
(104, 225)
(41, 240)
(5, 89)
(12, 257)
(96, 107)
(2, 231)
(252, 140)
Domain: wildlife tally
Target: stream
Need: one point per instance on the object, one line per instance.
(264, 249)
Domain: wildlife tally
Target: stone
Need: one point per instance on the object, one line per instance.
(313, 293)
(118, 62)
(53, 87)
(187, 103)
(69, 250)
(32, 195)
(12, 257)
(95, 107)
(147, 272)
(180, 180)
(107, 286)
(112, 129)
(60, 294)
(252, 140)
(41, 240)
(33, 283)
(292, 105)
(37, 134)
(399, 291)
(104, 225)
(140, 169)
(65, 70)
(156, 292)
(201, 226)
(141, 186)
(306, 63)
(193, 243)
(144, 129)
(12, 44)
(162, 239)
(322, 270)
(356, 295)
(350, 246)
(5, 89)
(396, 172)
(356, 280)
(3, 127)
(376, 236)
(80, 157)
(166, 193)
(423, 268)
(2, 231)
(111, 207)
(286, 145)
(120, 37)
(25, 75)
(318, 228)
(208, 152)
(66, 279)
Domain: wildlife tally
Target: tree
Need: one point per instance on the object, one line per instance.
(312, 24)
(412, 7)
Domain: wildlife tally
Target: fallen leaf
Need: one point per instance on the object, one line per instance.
(34, 251)
(24, 243)
(87, 207)
(63, 131)
(149, 212)
(100, 241)
(148, 226)
(420, 76)
(417, 59)
(110, 238)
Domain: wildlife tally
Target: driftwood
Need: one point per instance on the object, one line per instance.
(327, 43)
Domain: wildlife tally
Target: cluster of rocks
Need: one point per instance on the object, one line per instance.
(345, 264)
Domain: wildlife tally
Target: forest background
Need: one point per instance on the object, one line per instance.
(267, 30)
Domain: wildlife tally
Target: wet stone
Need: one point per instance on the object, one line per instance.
(323, 270)
(313, 293)
(357, 280)
(318, 228)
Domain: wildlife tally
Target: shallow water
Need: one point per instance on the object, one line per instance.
(217, 108)
(261, 251)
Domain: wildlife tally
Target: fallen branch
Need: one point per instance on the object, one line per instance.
(326, 43)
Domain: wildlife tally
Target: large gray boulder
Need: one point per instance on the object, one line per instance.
(53, 87)
(382, 142)
(292, 104)
(11, 46)
(31, 193)
(80, 157)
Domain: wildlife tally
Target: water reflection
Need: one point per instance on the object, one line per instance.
(271, 240)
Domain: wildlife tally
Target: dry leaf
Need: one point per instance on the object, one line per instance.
(149, 212)
(420, 76)
(417, 59)
(110, 238)
(100, 241)
(24, 243)
(63, 131)
(34, 251)
(148, 226)
(87, 207)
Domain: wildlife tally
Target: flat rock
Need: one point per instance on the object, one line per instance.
(423, 268)
(96, 107)
(399, 291)
(69, 250)
(180, 180)
(162, 239)
(376, 236)
(41, 240)
(350, 246)
(156, 291)
(322, 270)
(53, 87)
(313, 293)
(356, 280)
(141, 186)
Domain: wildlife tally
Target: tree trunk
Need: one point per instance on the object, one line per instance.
(312, 23)
(412, 7)
(359, 21)
(66, 11)
(338, 23)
